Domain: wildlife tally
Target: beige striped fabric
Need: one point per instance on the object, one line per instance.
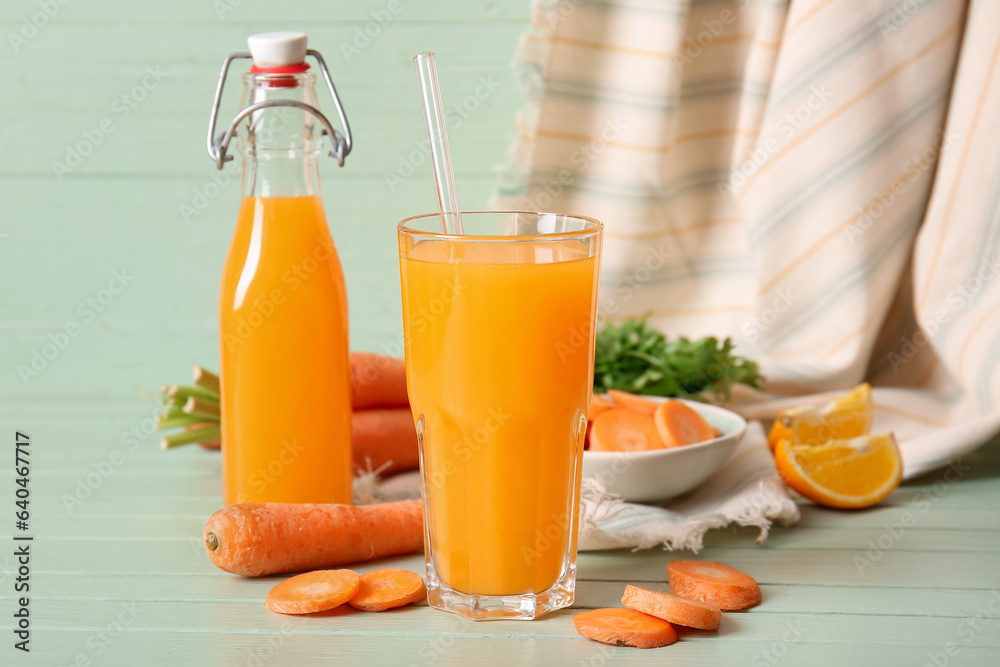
(819, 179)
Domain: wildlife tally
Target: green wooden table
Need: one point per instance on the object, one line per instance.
(118, 574)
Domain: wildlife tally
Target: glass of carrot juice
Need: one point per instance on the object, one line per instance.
(499, 327)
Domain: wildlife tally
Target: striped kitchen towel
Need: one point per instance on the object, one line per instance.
(818, 179)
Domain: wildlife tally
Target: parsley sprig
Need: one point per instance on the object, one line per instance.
(637, 358)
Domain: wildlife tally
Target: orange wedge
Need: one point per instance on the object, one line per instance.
(842, 473)
(848, 416)
(782, 428)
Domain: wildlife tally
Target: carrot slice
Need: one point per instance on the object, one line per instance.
(599, 404)
(633, 401)
(679, 425)
(688, 613)
(387, 588)
(624, 627)
(714, 583)
(623, 430)
(313, 591)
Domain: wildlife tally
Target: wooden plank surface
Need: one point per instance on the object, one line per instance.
(119, 576)
(133, 548)
(121, 208)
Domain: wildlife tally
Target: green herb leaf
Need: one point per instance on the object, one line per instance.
(635, 357)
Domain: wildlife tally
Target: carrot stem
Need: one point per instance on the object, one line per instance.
(206, 379)
(180, 393)
(174, 421)
(171, 411)
(206, 410)
(208, 433)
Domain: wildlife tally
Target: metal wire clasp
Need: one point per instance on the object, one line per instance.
(218, 148)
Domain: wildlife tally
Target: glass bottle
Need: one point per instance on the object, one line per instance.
(283, 320)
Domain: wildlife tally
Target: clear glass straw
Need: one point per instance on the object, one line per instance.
(437, 137)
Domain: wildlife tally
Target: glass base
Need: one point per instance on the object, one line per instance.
(523, 607)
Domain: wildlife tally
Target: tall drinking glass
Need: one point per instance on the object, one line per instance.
(499, 326)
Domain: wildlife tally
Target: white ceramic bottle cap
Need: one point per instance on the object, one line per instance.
(278, 49)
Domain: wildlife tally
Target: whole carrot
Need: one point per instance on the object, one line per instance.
(377, 381)
(384, 435)
(256, 539)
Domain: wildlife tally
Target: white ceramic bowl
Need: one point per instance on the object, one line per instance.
(661, 474)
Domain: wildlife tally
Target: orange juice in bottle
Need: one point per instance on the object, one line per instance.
(286, 413)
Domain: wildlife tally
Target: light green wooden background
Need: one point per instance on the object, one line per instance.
(120, 209)
(118, 522)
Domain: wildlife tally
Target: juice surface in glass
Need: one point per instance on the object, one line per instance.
(285, 388)
(499, 354)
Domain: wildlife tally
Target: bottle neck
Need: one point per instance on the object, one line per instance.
(281, 145)
(280, 177)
